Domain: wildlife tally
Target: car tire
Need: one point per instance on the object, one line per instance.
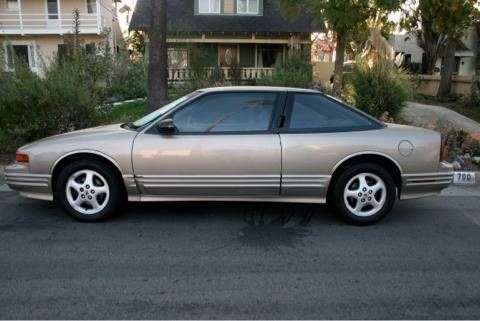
(89, 190)
(364, 194)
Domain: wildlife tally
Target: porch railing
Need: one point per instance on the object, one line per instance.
(43, 23)
(248, 73)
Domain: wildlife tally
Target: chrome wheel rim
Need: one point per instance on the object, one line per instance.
(365, 194)
(87, 192)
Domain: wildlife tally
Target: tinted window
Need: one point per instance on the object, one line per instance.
(317, 112)
(229, 112)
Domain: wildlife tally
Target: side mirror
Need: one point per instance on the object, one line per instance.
(166, 126)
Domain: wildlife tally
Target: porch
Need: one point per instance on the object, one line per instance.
(32, 17)
(226, 73)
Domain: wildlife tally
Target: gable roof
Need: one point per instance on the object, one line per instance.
(181, 18)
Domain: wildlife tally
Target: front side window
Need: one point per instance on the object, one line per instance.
(247, 6)
(209, 6)
(311, 112)
(91, 6)
(12, 5)
(148, 119)
(228, 112)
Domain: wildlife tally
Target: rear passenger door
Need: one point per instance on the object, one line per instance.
(318, 132)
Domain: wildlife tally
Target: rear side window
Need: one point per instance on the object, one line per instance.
(229, 112)
(312, 112)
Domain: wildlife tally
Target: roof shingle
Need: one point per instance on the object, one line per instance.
(181, 18)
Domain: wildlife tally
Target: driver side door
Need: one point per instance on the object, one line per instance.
(224, 144)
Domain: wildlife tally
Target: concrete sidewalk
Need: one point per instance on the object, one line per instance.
(421, 115)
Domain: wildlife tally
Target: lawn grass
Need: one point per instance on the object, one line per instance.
(127, 112)
(131, 111)
(461, 107)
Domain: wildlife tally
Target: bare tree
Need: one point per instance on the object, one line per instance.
(157, 66)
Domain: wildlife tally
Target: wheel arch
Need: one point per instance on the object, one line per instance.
(383, 160)
(65, 159)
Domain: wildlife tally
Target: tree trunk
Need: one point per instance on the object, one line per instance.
(444, 90)
(339, 60)
(157, 66)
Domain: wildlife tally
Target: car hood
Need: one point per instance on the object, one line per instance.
(84, 135)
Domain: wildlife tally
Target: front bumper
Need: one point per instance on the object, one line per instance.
(426, 184)
(36, 186)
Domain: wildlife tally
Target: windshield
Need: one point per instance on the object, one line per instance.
(161, 111)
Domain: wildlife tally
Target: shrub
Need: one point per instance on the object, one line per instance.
(377, 88)
(68, 96)
(127, 79)
(295, 72)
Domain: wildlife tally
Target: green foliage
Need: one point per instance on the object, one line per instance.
(127, 79)
(433, 22)
(136, 42)
(413, 67)
(348, 19)
(297, 71)
(70, 94)
(127, 112)
(64, 99)
(377, 88)
(131, 111)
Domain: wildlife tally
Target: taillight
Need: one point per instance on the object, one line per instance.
(21, 158)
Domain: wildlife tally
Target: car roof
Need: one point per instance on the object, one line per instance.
(256, 88)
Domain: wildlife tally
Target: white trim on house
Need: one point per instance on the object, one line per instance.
(7, 9)
(94, 6)
(247, 6)
(32, 52)
(210, 11)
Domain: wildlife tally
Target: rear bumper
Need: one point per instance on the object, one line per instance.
(426, 184)
(36, 186)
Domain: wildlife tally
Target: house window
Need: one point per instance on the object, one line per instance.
(90, 49)
(229, 6)
(21, 53)
(62, 52)
(247, 6)
(209, 6)
(52, 9)
(91, 6)
(11, 5)
(178, 58)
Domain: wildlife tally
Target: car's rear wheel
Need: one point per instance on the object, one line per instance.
(88, 190)
(364, 194)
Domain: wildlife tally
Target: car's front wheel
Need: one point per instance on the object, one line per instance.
(364, 193)
(88, 190)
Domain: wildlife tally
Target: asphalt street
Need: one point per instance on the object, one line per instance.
(222, 261)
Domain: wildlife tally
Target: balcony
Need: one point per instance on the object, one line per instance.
(185, 74)
(19, 23)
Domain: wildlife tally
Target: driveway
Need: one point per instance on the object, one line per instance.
(421, 115)
(223, 261)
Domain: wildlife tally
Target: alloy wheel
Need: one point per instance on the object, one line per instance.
(365, 194)
(87, 192)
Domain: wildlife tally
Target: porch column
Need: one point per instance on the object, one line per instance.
(20, 17)
(59, 17)
(99, 22)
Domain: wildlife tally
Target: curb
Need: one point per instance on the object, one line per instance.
(5, 188)
(127, 101)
